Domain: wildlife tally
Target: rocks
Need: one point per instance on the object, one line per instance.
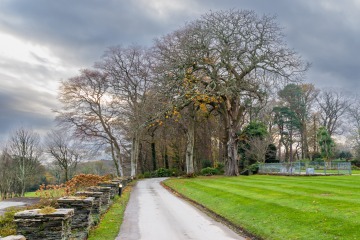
(105, 198)
(114, 187)
(97, 200)
(81, 221)
(37, 226)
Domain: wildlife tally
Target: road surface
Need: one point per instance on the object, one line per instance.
(153, 213)
(15, 202)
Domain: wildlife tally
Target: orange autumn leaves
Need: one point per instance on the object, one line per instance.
(77, 183)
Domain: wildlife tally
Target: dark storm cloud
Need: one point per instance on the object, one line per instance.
(324, 32)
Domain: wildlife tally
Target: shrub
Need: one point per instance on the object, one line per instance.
(254, 168)
(162, 172)
(77, 183)
(175, 172)
(209, 171)
(7, 224)
(147, 174)
(220, 167)
(206, 163)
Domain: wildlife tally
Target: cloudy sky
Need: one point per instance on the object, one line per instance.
(44, 41)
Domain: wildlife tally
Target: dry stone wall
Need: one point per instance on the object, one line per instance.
(81, 221)
(72, 220)
(37, 226)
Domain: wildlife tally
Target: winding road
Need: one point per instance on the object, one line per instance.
(153, 213)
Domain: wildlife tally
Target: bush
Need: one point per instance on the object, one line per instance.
(162, 172)
(175, 172)
(206, 163)
(77, 183)
(220, 167)
(355, 162)
(209, 171)
(7, 224)
(254, 168)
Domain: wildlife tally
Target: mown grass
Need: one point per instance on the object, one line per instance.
(30, 194)
(280, 207)
(110, 223)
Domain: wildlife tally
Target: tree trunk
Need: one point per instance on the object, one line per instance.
(305, 145)
(66, 173)
(166, 158)
(190, 147)
(116, 156)
(232, 168)
(153, 152)
(233, 113)
(134, 154)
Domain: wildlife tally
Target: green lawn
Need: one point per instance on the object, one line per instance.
(30, 194)
(110, 223)
(280, 207)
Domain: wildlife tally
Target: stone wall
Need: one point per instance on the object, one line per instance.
(36, 226)
(81, 221)
(97, 200)
(114, 188)
(105, 198)
(72, 220)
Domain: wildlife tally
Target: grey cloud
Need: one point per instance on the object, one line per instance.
(21, 108)
(324, 32)
(83, 29)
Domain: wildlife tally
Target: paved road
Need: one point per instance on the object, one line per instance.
(14, 202)
(153, 213)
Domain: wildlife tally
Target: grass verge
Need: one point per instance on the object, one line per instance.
(110, 222)
(279, 207)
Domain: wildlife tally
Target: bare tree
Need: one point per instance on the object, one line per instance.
(258, 147)
(130, 73)
(8, 180)
(25, 149)
(235, 55)
(354, 114)
(333, 106)
(90, 107)
(64, 150)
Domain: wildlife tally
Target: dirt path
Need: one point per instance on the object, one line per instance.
(155, 213)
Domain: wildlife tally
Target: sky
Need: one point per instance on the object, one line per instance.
(45, 41)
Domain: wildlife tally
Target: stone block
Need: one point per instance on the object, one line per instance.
(105, 198)
(113, 185)
(81, 221)
(37, 226)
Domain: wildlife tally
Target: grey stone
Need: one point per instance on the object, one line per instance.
(113, 185)
(105, 199)
(81, 221)
(37, 226)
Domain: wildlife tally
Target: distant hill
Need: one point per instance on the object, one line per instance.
(98, 167)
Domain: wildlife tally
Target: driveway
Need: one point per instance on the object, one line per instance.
(155, 213)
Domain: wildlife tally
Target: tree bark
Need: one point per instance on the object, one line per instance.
(232, 116)
(134, 154)
(190, 147)
(153, 152)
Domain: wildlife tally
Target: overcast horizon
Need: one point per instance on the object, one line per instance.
(43, 42)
